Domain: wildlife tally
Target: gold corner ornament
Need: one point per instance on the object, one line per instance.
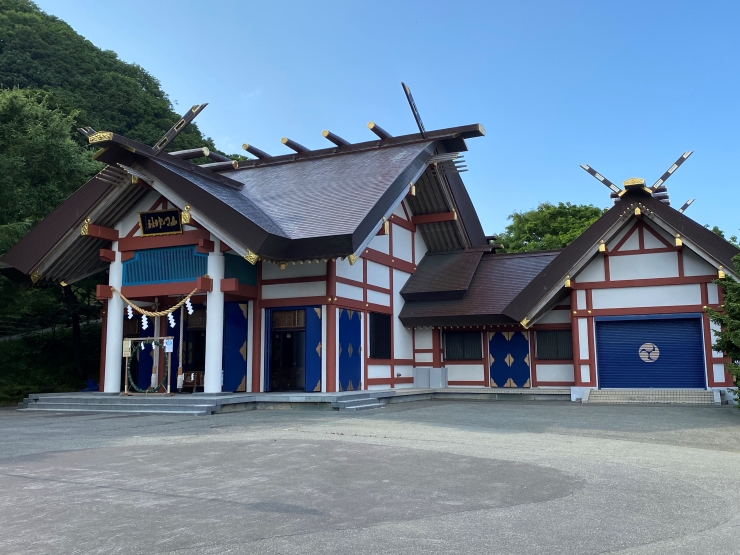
(352, 259)
(567, 281)
(679, 242)
(35, 276)
(63, 283)
(100, 136)
(721, 273)
(633, 181)
(85, 227)
(602, 246)
(251, 257)
(638, 212)
(185, 215)
(525, 323)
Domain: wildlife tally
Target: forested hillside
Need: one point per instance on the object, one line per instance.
(52, 80)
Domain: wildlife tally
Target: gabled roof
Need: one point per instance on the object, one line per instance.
(497, 279)
(326, 203)
(534, 298)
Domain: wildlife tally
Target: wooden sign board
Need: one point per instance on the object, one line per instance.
(160, 222)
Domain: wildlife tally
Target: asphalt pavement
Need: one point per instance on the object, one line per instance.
(427, 477)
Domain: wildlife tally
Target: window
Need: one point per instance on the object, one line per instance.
(380, 335)
(554, 345)
(463, 345)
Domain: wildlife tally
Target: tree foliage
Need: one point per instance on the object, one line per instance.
(39, 51)
(549, 226)
(728, 338)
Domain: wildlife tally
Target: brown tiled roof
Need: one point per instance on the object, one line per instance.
(442, 276)
(497, 280)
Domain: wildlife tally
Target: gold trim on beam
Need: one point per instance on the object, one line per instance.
(185, 215)
(35, 276)
(85, 227)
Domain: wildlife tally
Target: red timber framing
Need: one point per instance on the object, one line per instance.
(391, 262)
(534, 363)
(590, 313)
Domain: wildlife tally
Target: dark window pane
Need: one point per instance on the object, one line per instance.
(380, 335)
(554, 345)
(463, 345)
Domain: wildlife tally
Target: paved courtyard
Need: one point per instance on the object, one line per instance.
(427, 477)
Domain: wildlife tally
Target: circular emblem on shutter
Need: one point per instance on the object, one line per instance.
(649, 352)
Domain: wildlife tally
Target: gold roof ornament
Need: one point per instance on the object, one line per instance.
(100, 137)
(352, 259)
(721, 273)
(35, 276)
(85, 227)
(633, 182)
(251, 257)
(185, 215)
(567, 281)
(525, 323)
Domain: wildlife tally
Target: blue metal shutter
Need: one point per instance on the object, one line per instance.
(678, 361)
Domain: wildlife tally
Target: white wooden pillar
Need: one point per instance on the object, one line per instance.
(114, 329)
(215, 322)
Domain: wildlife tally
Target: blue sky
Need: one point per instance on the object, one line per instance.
(625, 87)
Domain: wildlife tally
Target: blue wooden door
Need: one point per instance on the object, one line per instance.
(146, 358)
(350, 351)
(666, 352)
(313, 348)
(509, 359)
(235, 347)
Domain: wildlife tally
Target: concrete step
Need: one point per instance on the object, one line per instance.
(357, 401)
(121, 406)
(119, 399)
(369, 406)
(118, 411)
(662, 396)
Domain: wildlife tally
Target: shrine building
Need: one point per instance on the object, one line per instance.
(365, 266)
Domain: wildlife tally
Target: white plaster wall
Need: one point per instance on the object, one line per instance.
(423, 338)
(293, 290)
(465, 372)
(404, 386)
(712, 293)
(618, 237)
(665, 295)
(420, 247)
(402, 239)
(378, 371)
(132, 218)
(585, 373)
(594, 271)
(376, 297)
(273, 271)
(398, 211)
(662, 232)
(349, 292)
(631, 244)
(354, 271)
(378, 387)
(378, 275)
(714, 329)
(718, 372)
(554, 372)
(555, 317)
(694, 265)
(644, 266)
(582, 338)
(380, 243)
(424, 357)
(402, 338)
(651, 241)
(581, 299)
(406, 371)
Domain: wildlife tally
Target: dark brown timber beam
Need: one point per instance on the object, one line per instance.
(178, 128)
(379, 131)
(434, 218)
(336, 139)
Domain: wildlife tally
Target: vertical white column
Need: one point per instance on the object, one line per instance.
(114, 329)
(214, 322)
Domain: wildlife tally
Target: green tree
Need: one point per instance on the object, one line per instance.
(39, 51)
(549, 226)
(728, 338)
